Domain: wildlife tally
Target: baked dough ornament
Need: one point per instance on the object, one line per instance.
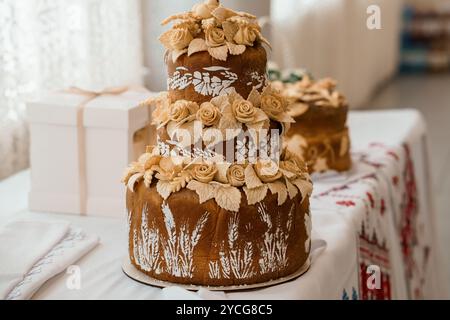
(319, 135)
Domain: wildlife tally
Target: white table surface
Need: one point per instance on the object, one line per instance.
(101, 274)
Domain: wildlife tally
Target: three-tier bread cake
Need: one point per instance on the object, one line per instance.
(320, 135)
(218, 202)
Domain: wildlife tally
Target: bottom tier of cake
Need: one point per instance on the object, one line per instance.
(182, 241)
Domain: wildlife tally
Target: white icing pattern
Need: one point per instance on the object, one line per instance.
(261, 80)
(212, 81)
(146, 247)
(174, 253)
(237, 259)
(274, 247)
(178, 248)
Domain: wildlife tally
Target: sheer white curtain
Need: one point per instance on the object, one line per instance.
(331, 38)
(49, 44)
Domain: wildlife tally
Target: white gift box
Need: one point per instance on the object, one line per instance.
(80, 144)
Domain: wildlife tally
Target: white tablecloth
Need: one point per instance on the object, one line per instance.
(381, 142)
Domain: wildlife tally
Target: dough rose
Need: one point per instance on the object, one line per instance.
(273, 105)
(179, 38)
(267, 171)
(182, 109)
(215, 37)
(244, 111)
(208, 114)
(246, 35)
(204, 172)
(236, 175)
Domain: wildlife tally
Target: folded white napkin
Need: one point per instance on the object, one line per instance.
(32, 252)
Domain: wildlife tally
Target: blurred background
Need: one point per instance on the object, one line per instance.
(49, 44)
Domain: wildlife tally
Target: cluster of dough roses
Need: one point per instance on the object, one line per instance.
(224, 113)
(220, 181)
(213, 28)
(302, 94)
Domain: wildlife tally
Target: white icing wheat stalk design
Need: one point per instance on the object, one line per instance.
(274, 247)
(179, 248)
(234, 259)
(214, 270)
(146, 247)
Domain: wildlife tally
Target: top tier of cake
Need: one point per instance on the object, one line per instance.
(213, 50)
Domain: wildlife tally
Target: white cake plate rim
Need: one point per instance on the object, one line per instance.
(132, 272)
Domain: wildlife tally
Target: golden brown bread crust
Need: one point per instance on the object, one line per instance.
(212, 263)
(321, 119)
(243, 72)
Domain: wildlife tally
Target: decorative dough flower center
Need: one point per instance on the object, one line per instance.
(244, 111)
(208, 114)
(180, 38)
(236, 175)
(182, 109)
(272, 104)
(245, 35)
(267, 171)
(215, 37)
(204, 172)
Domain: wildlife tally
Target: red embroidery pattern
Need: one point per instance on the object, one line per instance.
(372, 201)
(408, 229)
(373, 249)
(382, 207)
(345, 203)
(373, 253)
(394, 179)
